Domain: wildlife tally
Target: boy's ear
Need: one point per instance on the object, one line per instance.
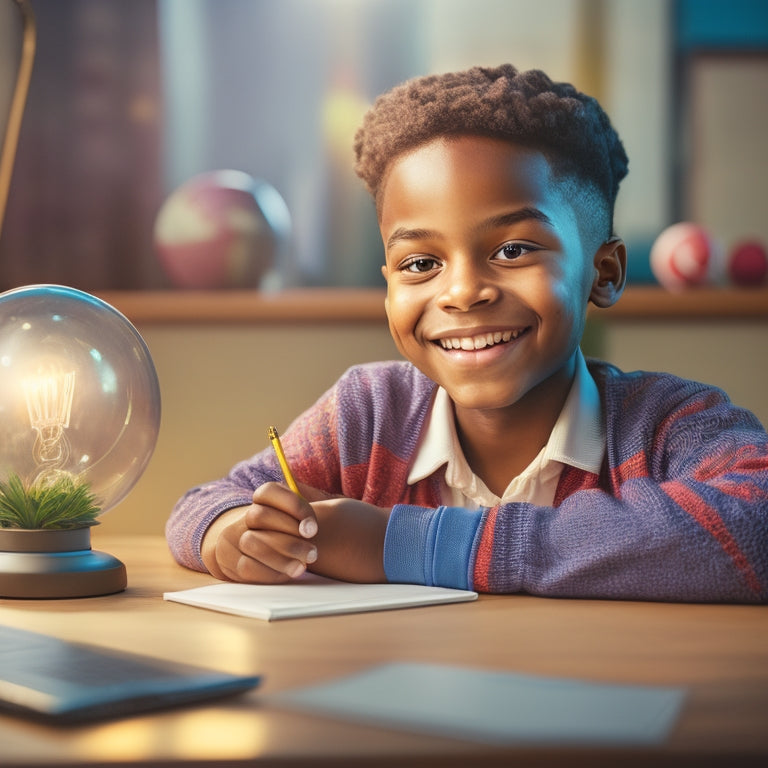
(610, 273)
(385, 273)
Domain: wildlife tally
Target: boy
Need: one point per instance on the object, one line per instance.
(496, 458)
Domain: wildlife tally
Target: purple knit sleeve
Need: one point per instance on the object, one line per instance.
(680, 512)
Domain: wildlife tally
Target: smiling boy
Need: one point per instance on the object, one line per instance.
(481, 244)
(496, 457)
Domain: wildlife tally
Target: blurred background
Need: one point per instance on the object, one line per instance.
(131, 98)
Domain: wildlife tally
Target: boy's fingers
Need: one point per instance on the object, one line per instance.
(276, 551)
(293, 514)
(263, 518)
(261, 545)
(308, 527)
(236, 566)
(230, 560)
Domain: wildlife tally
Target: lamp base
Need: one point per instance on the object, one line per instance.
(56, 564)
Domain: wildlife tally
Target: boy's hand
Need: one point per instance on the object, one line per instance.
(350, 540)
(266, 542)
(280, 535)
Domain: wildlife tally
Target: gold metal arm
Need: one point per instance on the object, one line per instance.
(18, 102)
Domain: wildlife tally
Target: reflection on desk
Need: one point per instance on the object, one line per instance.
(718, 653)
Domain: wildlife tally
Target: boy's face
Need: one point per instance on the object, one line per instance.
(488, 279)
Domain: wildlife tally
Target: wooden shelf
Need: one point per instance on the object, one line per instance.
(366, 305)
(310, 305)
(654, 303)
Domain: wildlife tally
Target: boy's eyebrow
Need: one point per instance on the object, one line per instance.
(515, 217)
(403, 233)
(502, 220)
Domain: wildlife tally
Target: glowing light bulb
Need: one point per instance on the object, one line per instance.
(79, 395)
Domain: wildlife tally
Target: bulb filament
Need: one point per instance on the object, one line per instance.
(49, 404)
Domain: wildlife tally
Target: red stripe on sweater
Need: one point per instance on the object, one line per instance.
(741, 489)
(634, 467)
(745, 460)
(371, 483)
(668, 422)
(710, 520)
(572, 480)
(383, 481)
(482, 568)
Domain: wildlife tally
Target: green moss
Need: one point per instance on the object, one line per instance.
(61, 504)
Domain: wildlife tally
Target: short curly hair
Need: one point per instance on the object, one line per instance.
(527, 108)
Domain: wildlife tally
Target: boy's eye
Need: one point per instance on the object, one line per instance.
(511, 251)
(420, 264)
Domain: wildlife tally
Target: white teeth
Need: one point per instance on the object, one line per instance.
(480, 341)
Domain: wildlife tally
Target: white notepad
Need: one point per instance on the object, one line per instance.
(313, 595)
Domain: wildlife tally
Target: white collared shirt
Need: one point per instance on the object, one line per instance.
(577, 439)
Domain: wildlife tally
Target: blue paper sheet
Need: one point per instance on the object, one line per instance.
(495, 707)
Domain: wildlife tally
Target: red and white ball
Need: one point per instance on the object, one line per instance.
(748, 263)
(683, 256)
(220, 229)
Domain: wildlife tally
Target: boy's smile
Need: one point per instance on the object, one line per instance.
(488, 279)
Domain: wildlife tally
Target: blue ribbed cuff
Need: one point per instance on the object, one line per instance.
(431, 546)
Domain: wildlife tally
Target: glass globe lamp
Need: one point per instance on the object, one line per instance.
(79, 419)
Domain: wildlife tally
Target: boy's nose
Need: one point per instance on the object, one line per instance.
(467, 286)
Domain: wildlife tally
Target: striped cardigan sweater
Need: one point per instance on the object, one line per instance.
(679, 511)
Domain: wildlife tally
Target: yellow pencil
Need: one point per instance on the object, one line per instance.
(274, 438)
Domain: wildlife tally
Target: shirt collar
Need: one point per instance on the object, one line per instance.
(577, 439)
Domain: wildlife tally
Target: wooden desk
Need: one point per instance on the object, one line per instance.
(720, 653)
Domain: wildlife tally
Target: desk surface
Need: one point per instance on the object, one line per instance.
(719, 653)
